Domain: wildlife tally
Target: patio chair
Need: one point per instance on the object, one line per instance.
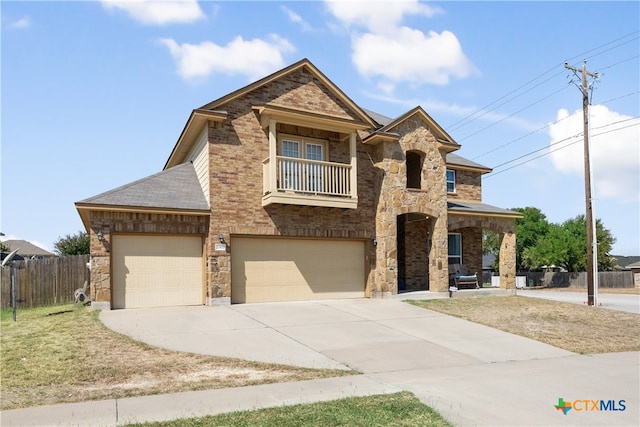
(459, 277)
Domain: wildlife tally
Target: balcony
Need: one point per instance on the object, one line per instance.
(309, 182)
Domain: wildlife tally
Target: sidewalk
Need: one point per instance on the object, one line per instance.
(194, 404)
(471, 374)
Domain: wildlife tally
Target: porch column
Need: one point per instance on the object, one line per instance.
(354, 166)
(508, 260)
(273, 166)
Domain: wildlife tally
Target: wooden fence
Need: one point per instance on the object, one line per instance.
(606, 279)
(42, 282)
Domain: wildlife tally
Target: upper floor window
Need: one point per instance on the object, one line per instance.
(414, 169)
(451, 181)
(302, 148)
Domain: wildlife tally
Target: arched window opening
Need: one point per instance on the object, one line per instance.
(414, 169)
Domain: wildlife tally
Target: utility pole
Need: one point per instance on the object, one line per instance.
(591, 239)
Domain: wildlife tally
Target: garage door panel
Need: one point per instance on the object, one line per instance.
(152, 271)
(272, 269)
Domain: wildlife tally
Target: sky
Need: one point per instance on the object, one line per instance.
(94, 94)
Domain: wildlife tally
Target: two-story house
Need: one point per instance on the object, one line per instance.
(287, 190)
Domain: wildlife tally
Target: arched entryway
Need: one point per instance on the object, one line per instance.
(414, 232)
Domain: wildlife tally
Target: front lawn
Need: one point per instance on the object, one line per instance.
(65, 354)
(580, 329)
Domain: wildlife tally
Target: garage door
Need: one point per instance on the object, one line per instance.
(271, 269)
(155, 271)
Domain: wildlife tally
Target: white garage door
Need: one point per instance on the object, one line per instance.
(282, 269)
(155, 271)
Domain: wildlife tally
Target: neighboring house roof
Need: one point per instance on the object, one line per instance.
(480, 208)
(633, 266)
(174, 189)
(27, 249)
(624, 261)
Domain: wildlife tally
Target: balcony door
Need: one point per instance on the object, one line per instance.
(302, 175)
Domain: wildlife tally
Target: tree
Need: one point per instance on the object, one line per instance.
(4, 248)
(565, 245)
(532, 226)
(78, 244)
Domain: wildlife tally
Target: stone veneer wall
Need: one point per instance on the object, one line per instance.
(395, 199)
(130, 223)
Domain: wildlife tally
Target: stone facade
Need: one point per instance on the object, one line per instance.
(405, 224)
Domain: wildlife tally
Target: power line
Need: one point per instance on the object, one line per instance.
(492, 174)
(548, 125)
(483, 110)
(513, 114)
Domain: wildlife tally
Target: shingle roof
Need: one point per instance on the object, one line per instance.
(174, 188)
(481, 208)
(454, 159)
(26, 249)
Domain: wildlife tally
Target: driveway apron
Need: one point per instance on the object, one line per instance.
(470, 373)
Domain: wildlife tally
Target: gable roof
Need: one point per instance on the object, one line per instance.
(174, 189)
(27, 249)
(184, 144)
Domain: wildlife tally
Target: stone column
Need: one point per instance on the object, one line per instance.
(508, 260)
(100, 283)
(438, 255)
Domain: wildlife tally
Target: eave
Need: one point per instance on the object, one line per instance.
(85, 209)
(306, 118)
(198, 119)
(377, 137)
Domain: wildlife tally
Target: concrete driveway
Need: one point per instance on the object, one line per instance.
(471, 374)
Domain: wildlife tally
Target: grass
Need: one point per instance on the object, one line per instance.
(65, 354)
(400, 409)
(580, 329)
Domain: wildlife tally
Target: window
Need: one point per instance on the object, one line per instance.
(297, 175)
(451, 181)
(455, 248)
(414, 169)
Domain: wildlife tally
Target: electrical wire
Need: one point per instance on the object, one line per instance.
(492, 174)
(475, 115)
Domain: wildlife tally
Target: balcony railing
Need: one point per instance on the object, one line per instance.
(298, 180)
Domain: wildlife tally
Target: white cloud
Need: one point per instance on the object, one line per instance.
(377, 16)
(20, 24)
(614, 151)
(296, 19)
(409, 55)
(393, 53)
(158, 12)
(252, 58)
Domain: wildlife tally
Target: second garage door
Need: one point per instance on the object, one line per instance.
(283, 269)
(154, 271)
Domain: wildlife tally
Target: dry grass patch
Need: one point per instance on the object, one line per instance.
(65, 354)
(580, 329)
